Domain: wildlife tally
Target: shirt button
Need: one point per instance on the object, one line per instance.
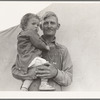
(54, 63)
(19, 68)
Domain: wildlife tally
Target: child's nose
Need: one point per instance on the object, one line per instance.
(36, 26)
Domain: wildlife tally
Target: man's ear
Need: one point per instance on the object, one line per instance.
(41, 26)
(58, 26)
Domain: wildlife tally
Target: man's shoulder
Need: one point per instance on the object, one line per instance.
(61, 47)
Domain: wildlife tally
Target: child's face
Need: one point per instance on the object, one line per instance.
(33, 23)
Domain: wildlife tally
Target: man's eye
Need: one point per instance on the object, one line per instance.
(45, 23)
(52, 23)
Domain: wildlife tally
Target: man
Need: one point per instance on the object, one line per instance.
(59, 72)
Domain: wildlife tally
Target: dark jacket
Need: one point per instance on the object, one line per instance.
(29, 46)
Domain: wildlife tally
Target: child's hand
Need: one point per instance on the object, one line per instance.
(48, 48)
(47, 64)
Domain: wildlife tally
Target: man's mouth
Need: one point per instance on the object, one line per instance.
(49, 29)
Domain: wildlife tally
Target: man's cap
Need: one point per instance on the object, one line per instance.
(48, 14)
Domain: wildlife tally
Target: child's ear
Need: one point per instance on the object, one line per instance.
(41, 26)
(58, 26)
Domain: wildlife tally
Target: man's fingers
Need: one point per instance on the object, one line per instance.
(42, 72)
(47, 64)
(43, 75)
(42, 67)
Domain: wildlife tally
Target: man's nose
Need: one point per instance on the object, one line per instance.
(49, 24)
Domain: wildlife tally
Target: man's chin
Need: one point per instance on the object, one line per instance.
(50, 33)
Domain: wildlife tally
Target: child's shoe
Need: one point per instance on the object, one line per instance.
(46, 87)
(24, 89)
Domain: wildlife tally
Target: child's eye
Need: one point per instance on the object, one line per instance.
(33, 23)
(38, 25)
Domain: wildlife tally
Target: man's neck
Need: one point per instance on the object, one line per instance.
(49, 39)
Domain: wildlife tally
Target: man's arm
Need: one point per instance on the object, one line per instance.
(18, 74)
(64, 76)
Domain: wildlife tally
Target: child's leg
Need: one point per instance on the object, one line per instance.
(26, 85)
(44, 82)
(44, 86)
(37, 61)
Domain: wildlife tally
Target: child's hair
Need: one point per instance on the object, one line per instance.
(26, 18)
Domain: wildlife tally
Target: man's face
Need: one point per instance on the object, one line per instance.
(50, 25)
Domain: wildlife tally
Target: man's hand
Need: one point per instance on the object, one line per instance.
(46, 71)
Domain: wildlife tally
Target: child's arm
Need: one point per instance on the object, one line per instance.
(37, 42)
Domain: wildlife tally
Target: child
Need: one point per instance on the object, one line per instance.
(29, 48)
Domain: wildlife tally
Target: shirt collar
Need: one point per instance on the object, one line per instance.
(44, 39)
